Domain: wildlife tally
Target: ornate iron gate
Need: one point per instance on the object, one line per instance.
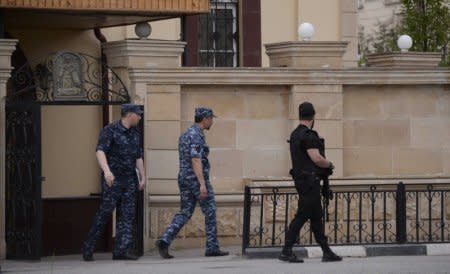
(23, 180)
(68, 78)
(62, 78)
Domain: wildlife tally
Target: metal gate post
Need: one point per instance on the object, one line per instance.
(401, 213)
(246, 227)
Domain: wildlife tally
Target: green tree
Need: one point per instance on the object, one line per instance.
(385, 39)
(426, 21)
(428, 24)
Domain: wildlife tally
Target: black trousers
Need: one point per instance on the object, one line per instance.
(309, 208)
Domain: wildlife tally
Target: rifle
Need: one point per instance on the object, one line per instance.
(327, 193)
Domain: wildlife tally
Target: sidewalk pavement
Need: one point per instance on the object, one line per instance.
(193, 261)
(358, 250)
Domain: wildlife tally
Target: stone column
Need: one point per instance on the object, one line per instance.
(162, 112)
(134, 54)
(307, 54)
(327, 99)
(7, 47)
(349, 31)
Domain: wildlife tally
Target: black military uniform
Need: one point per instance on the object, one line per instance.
(307, 176)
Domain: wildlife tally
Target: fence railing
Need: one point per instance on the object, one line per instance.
(358, 214)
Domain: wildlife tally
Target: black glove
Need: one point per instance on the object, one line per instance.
(331, 166)
(330, 169)
(327, 193)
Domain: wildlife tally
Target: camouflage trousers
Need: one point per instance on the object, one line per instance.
(189, 196)
(123, 194)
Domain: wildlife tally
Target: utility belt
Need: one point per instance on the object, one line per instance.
(306, 181)
(306, 174)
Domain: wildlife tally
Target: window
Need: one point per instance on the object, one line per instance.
(360, 4)
(391, 2)
(218, 37)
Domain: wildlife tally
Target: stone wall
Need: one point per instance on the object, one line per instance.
(248, 139)
(378, 124)
(229, 221)
(396, 130)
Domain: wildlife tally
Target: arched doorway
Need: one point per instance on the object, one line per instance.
(37, 226)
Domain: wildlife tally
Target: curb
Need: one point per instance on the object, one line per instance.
(396, 250)
(273, 252)
(356, 251)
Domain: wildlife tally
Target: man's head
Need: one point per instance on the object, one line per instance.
(306, 113)
(132, 113)
(204, 117)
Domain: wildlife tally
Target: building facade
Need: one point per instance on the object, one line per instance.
(242, 58)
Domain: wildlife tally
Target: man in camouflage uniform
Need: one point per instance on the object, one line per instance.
(119, 153)
(194, 185)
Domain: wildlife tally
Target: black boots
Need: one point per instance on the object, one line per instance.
(124, 257)
(87, 256)
(163, 249)
(330, 256)
(217, 253)
(289, 256)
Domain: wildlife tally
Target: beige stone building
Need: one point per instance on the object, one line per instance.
(381, 124)
(372, 13)
(279, 22)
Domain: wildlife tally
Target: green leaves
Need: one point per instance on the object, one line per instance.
(426, 21)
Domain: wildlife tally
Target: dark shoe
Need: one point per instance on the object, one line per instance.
(331, 257)
(291, 258)
(218, 253)
(87, 256)
(163, 249)
(125, 257)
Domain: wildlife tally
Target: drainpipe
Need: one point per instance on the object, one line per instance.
(105, 113)
(105, 79)
(2, 25)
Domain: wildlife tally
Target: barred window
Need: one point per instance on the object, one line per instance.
(218, 35)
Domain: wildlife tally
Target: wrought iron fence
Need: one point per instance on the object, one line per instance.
(358, 214)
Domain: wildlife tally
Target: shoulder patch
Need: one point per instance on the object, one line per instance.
(198, 149)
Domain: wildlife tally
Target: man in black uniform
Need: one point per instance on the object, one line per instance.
(308, 165)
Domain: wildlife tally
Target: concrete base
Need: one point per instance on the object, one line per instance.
(438, 249)
(357, 251)
(344, 251)
(395, 250)
(273, 252)
(404, 60)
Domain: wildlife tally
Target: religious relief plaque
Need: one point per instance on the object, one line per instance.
(68, 78)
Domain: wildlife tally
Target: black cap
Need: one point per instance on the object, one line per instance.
(306, 111)
(131, 108)
(204, 112)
